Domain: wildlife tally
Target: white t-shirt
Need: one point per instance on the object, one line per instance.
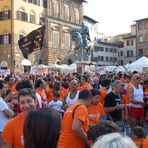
(39, 100)
(57, 105)
(3, 118)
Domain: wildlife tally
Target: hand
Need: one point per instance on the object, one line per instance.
(121, 106)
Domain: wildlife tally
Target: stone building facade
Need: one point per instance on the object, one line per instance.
(19, 17)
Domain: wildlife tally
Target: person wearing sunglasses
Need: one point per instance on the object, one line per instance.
(136, 109)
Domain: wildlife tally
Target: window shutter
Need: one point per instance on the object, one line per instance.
(1, 39)
(26, 17)
(9, 38)
(0, 15)
(9, 14)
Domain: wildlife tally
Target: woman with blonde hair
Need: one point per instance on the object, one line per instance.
(114, 140)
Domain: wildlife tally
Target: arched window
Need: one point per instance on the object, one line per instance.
(22, 15)
(56, 9)
(140, 52)
(66, 12)
(32, 17)
(77, 15)
(5, 38)
(5, 14)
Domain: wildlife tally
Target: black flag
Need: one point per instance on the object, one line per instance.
(32, 42)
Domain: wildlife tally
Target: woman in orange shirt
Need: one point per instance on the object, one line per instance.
(95, 110)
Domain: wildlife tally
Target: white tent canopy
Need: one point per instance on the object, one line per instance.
(142, 62)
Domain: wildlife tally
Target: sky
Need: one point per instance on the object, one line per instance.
(116, 16)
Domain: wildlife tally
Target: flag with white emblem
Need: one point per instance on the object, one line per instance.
(32, 42)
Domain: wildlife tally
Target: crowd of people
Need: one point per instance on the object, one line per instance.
(74, 110)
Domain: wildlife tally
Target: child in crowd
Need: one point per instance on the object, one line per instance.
(56, 103)
(138, 136)
(95, 110)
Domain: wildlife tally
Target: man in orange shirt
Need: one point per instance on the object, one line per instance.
(40, 89)
(75, 123)
(13, 131)
(105, 86)
(84, 84)
(95, 110)
(145, 144)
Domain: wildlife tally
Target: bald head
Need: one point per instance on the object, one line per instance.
(73, 85)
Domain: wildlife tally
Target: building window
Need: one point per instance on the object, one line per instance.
(140, 25)
(102, 48)
(111, 59)
(140, 52)
(146, 37)
(115, 50)
(140, 38)
(67, 41)
(127, 43)
(55, 39)
(129, 53)
(77, 15)
(121, 53)
(131, 42)
(32, 1)
(102, 58)
(32, 17)
(21, 15)
(111, 49)
(106, 49)
(66, 12)
(115, 59)
(5, 39)
(121, 62)
(5, 15)
(99, 58)
(107, 59)
(56, 9)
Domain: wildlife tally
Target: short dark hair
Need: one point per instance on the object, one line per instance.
(38, 82)
(105, 82)
(85, 94)
(138, 131)
(100, 129)
(24, 84)
(27, 92)
(42, 129)
(95, 91)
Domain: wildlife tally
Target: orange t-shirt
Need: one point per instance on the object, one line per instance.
(42, 93)
(68, 139)
(50, 95)
(103, 95)
(145, 144)
(127, 90)
(146, 92)
(13, 131)
(84, 86)
(139, 142)
(95, 113)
